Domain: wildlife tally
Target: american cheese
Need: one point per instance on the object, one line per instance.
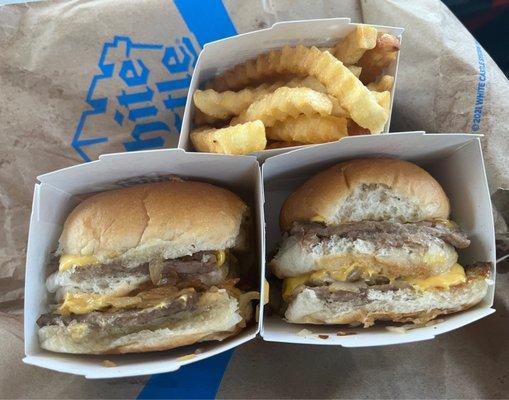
(455, 276)
(83, 303)
(290, 284)
(68, 261)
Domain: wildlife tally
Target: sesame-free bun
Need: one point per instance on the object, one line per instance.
(170, 219)
(367, 189)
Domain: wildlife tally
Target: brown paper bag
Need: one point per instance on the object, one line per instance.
(83, 78)
(446, 81)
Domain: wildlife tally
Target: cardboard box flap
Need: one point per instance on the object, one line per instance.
(249, 45)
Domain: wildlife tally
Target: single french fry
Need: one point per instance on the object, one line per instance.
(314, 129)
(354, 45)
(384, 83)
(374, 61)
(352, 95)
(222, 105)
(239, 139)
(313, 83)
(286, 102)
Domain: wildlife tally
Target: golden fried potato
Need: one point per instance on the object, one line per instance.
(355, 69)
(222, 105)
(352, 95)
(384, 83)
(239, 139)
(354, 45)
(286, 102)
(314, 129)
(374, 61)
(384, 99)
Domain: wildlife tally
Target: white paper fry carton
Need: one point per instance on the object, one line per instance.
(454, 160)
(216, 57)
(57, 193)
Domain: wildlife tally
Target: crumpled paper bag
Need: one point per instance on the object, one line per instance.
(446, 81)
(50, 53)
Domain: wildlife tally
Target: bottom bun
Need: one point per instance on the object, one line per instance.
(403, 305)
(217, 318)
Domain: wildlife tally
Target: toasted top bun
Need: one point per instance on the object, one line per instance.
(367, 189)
(152, 221)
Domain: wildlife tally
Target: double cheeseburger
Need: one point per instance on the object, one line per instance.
(148, 268)
(369, 240)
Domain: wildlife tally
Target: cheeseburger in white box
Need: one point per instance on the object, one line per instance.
(386, 240)
(142, 254)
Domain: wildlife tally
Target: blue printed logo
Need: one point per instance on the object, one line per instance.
(138, 98)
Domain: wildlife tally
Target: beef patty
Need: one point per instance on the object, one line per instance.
(357, 291)
(127, 318)
(382, 233)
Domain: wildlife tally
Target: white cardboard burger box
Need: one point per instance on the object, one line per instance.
(221, 55)
(57, 193)
(455, 160)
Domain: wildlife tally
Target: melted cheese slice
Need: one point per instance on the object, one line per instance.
(83, 303)
(455, 276)
(290, 284)
(69, 261)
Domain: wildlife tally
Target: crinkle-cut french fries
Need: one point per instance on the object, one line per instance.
(223, 105)
(355, 44)
(384, 83)
(281, 144)
(239, 139)
(338, 79)
(286, 102)
(374, 61)
(214, 106)
(314, 129)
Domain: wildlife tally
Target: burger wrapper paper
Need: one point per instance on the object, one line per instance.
(83, 78)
